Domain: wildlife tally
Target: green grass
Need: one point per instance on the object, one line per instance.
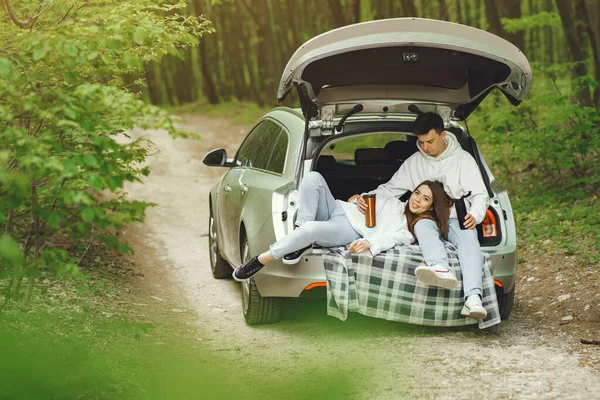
(70, 344)
(239, 113)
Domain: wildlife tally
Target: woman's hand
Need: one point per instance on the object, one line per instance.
(361, 204)
(359, 245)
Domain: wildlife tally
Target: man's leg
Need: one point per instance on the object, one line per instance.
(436, 272)
(316, 203)
(470, 257)
(335, 232)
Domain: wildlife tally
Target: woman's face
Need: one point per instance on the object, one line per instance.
(421, 200)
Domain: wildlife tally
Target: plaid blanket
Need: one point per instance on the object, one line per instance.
(385, 287)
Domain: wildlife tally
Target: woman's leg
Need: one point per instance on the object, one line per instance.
(428, 235)
(334, 232)
(437, 271)
(316, 203)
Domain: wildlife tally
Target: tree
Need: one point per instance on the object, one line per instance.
(576, 50)
(64, 104)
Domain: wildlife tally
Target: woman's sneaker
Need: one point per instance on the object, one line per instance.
(247, 270)
(473, 308)
(294, 257)
(438, 275)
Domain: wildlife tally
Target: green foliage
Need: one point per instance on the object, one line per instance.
(64, 114)
(530, 22)
(547, 153)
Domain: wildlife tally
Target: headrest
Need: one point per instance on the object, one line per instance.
(400, 150)
(325, 160)
(370, 156)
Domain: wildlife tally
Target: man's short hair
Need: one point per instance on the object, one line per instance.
(428, 121)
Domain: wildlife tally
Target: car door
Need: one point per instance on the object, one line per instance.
(250, 203)
(233, 190)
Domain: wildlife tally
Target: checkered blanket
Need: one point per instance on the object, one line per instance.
(385, 287)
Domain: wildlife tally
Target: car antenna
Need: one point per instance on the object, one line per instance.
(355, 109)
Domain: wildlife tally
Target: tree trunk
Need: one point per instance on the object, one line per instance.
(443, 10)
(353, 14)
(493, 18)
(337, 13)
(512, 9)
(477, 16)
(408, 6)
(576, 52)
(549, 35)
(459, 13)
(592, 19)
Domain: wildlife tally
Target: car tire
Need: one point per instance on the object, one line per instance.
(219, 267)
(257, 309)
(506, 302)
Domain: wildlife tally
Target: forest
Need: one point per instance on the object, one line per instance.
(77, 76)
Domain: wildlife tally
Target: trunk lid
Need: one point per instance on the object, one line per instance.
(402, 61)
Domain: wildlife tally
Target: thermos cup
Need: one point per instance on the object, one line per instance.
(461, 210)
(370, 213)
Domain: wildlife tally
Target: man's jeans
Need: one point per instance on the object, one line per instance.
(469, 251)
(322, 220)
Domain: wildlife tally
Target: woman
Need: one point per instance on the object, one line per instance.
(328, 222)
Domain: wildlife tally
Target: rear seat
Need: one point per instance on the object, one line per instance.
(370, 169)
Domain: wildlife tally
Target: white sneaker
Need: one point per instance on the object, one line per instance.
(438, 275)
(473, 308)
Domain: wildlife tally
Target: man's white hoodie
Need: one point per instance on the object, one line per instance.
(454, 167)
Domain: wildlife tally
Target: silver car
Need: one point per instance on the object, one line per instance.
(360, 88)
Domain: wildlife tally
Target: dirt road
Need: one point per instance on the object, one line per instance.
(375, 359)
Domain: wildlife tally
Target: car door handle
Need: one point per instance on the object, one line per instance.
(227, 189)
(244, 190)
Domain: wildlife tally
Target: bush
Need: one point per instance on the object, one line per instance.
(65, 102)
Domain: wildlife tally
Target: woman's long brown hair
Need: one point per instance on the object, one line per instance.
(439, 211)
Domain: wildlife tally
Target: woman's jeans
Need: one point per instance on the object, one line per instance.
(321, 220)
(469, 251)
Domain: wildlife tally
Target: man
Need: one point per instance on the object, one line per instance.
(441, 158)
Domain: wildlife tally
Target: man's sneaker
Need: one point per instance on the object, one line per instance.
(294, 257)
(247, 270)
(473, 308)
(438, 275)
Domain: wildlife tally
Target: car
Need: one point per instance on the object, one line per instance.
(360, 88)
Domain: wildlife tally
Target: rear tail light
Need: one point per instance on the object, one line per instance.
(488, 226)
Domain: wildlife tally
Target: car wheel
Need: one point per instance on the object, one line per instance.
(219, 267)
(505, 302)
(256, 308)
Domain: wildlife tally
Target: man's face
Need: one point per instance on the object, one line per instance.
(433, 143)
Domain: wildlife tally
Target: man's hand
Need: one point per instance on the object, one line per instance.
(361, 204)
(359, 245)
(470, 222)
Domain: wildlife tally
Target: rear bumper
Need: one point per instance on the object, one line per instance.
(505, 268)
(280, 280)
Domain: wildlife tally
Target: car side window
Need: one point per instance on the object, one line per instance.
(277, 162)
(267, 138)
(246, 155)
